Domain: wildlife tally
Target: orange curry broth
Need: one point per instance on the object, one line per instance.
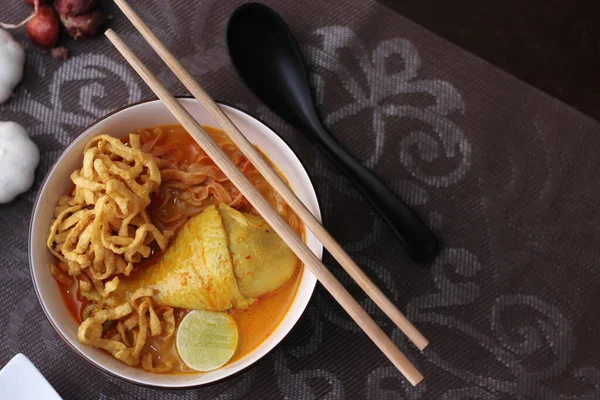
(256, 323)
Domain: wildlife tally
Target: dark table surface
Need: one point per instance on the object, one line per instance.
(506, 176)
(553, 45)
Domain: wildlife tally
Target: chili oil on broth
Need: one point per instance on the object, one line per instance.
(169, 211)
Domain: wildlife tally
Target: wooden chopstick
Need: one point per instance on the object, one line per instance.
(276, 182)
(337, 290)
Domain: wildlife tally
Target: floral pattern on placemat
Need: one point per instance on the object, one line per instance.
(505, 175)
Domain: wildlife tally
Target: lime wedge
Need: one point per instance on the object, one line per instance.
(206, 340)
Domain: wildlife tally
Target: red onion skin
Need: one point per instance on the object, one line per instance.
(84, 25)
(74, 7)
(44, 29)
(60, 53)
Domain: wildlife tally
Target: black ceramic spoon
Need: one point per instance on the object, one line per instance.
(267, 58)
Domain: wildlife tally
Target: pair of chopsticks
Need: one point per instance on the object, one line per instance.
(327, 279)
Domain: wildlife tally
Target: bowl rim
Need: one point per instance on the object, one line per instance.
(30, 253)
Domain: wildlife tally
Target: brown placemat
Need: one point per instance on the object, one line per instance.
(506, 175)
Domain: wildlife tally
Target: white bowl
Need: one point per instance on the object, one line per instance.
(120, 123)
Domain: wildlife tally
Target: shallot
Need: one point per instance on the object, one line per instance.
(74, 7)
(84, 25)
(44, 29)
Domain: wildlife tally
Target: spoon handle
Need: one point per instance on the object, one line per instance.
(415, 235)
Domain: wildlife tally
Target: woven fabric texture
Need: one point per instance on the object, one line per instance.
(505, 175)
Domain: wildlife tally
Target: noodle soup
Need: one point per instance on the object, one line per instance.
(120, 272)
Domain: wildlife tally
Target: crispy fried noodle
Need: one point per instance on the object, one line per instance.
(101, 231)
